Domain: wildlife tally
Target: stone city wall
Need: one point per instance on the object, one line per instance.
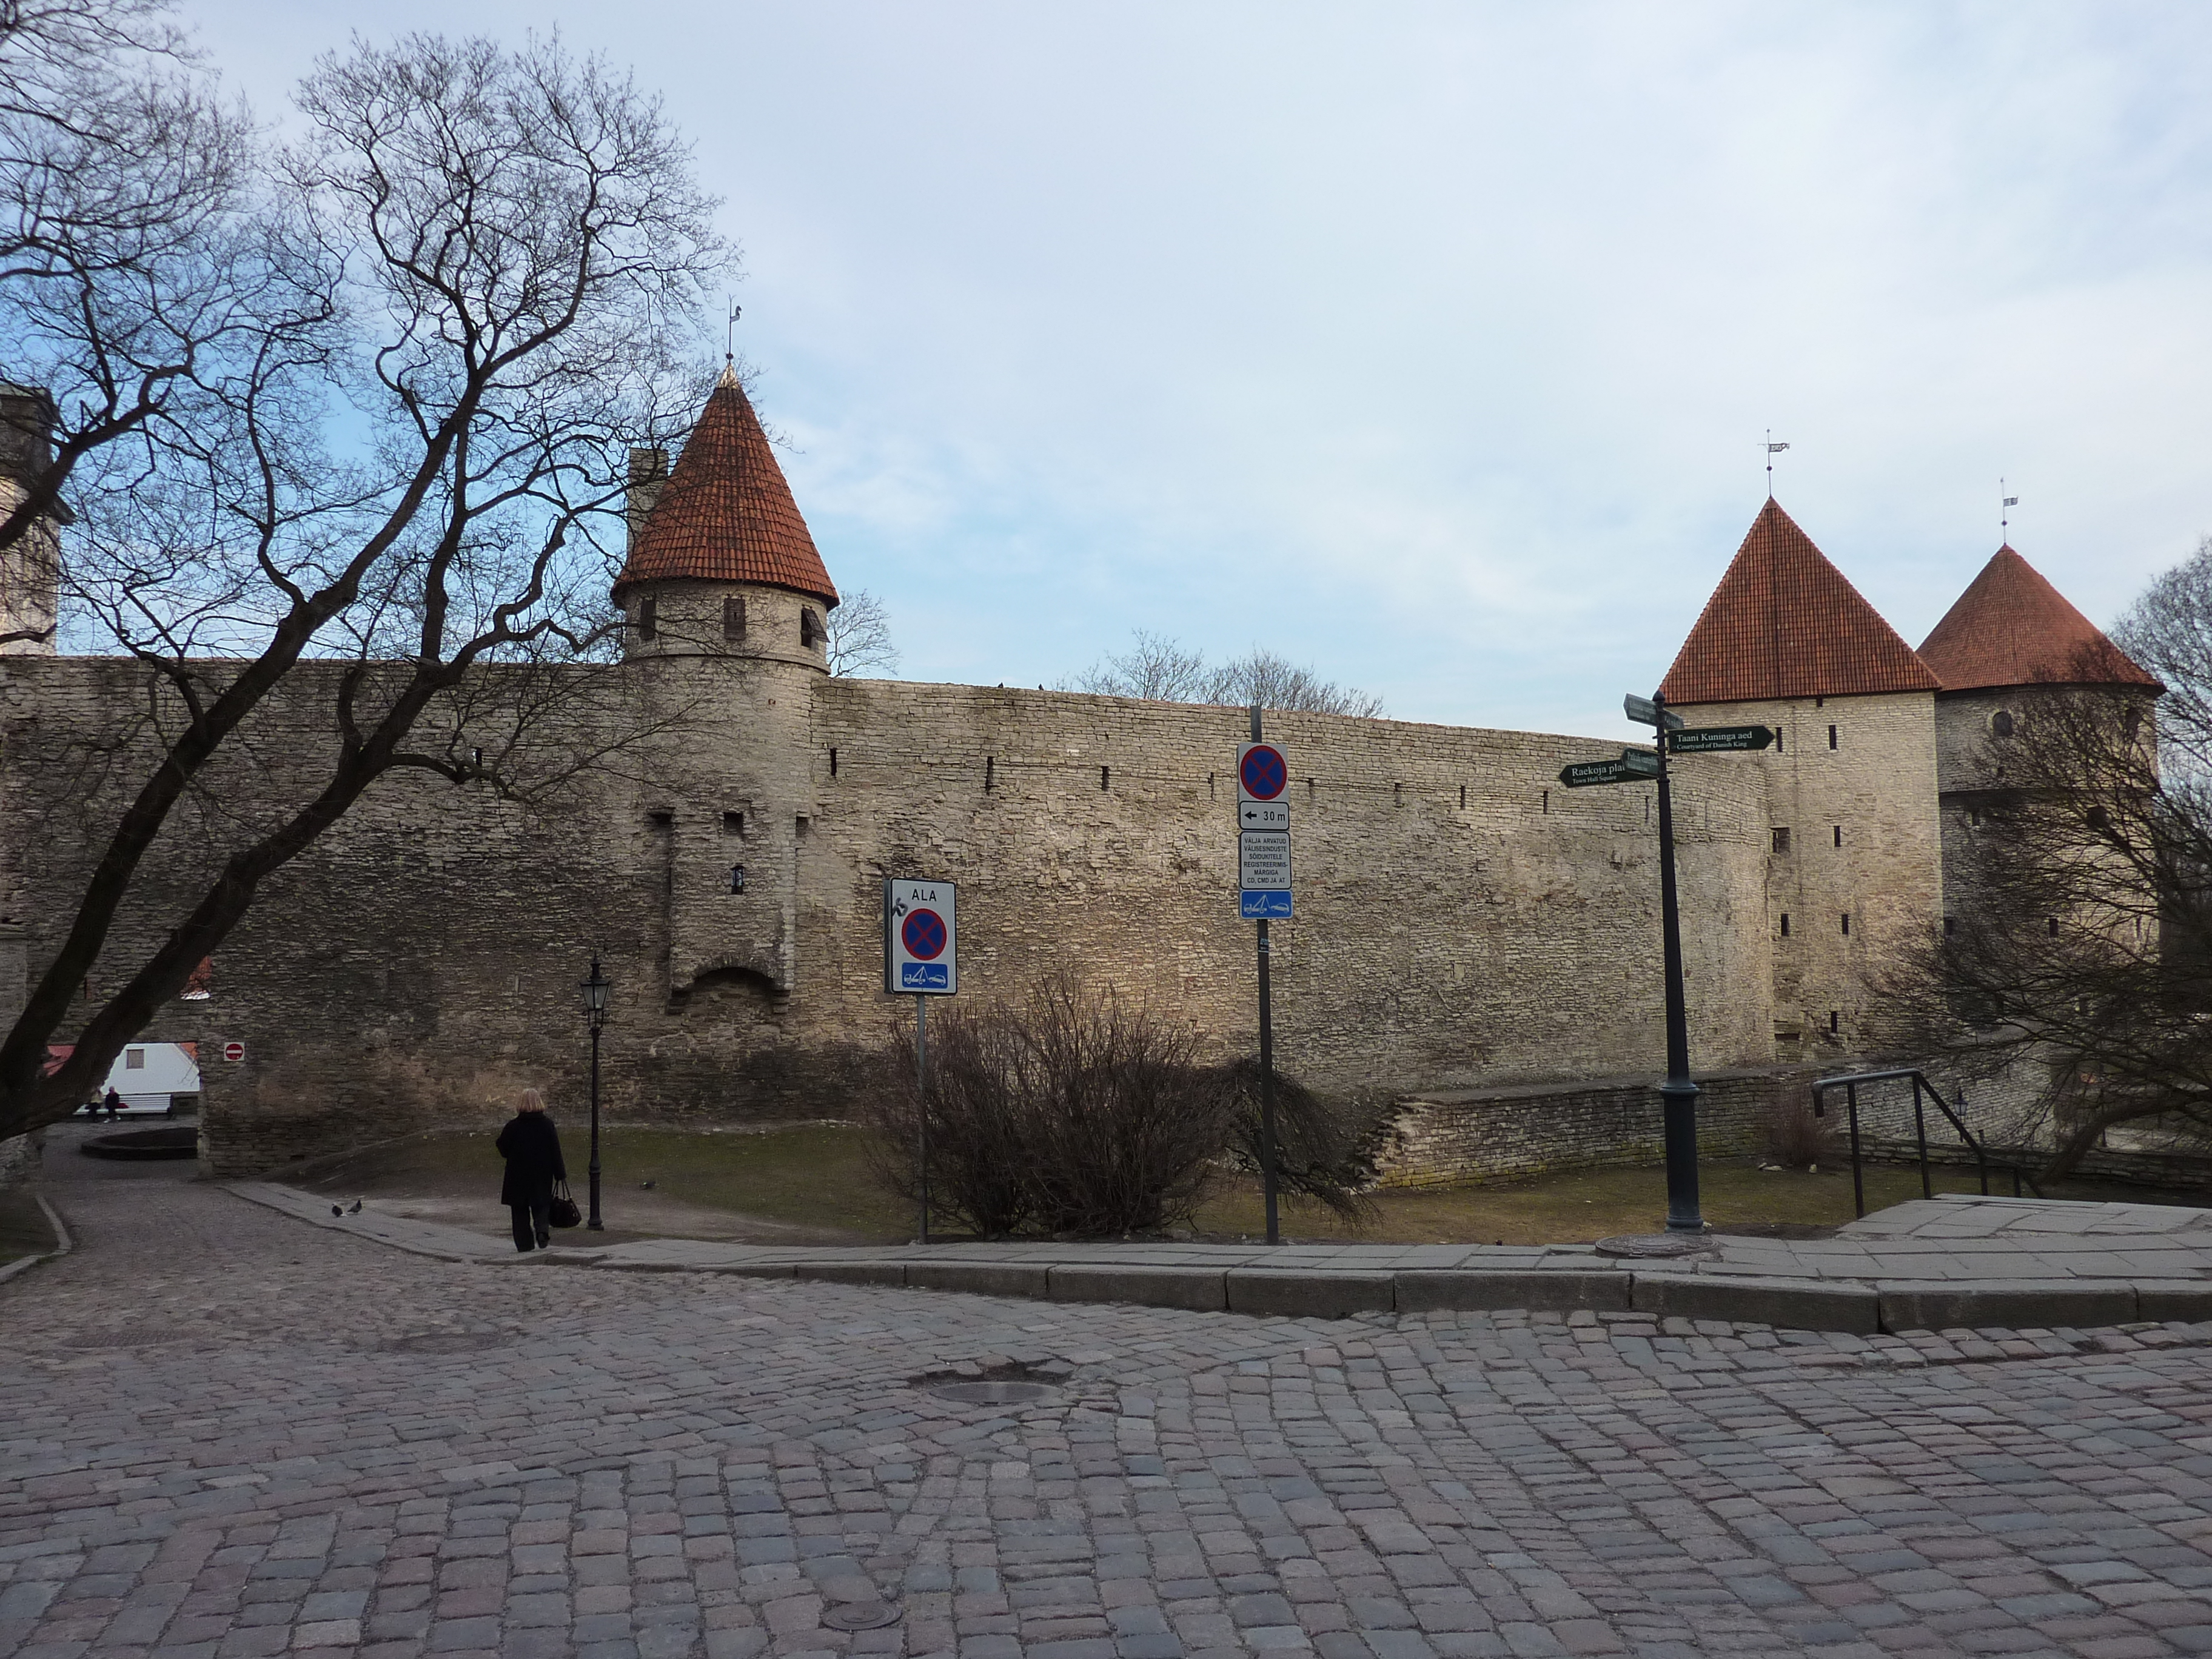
(1491, 1134)
(1462, 919)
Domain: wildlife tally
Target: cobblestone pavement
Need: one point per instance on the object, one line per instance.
(228, 1433)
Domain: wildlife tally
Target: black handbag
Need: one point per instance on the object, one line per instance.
(564, 1211)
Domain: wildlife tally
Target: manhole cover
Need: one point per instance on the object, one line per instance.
(986, 1393)
(1648, 1246)
(860, 1615)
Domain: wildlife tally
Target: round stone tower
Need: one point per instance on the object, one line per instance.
(725, 603)
(720, 562)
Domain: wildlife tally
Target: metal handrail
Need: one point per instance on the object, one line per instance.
(1922, 1088)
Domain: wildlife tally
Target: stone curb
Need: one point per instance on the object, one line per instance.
(62, 1243)
(1308, 1291)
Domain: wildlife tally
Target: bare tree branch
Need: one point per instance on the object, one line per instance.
(489, 262)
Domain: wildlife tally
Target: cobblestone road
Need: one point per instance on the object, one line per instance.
(227, 1433)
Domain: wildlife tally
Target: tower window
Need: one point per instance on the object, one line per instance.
(1105, 777)
(1785, 924)
(1778, 739)
(1462, 798)
(2130, 722)
(733, 823)
(733, 617)
(833, 762)
(1835, 1022)
(1782, 841)
(1547, 802)
(1831, 737)
(1847, 924)
(2054, 927)
(2000, 722)
(648, 617)
(1839, 835)
(810, 627)
(991, 770)
(1950, 926)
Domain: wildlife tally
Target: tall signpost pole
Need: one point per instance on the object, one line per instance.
(1677, 1093)
(1267, 1069)
(1263, 882)
(921, 1099)
(921, 956)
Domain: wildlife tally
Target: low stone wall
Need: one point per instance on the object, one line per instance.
(1488, 1134)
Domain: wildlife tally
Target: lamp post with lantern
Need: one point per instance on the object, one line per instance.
(594, 991)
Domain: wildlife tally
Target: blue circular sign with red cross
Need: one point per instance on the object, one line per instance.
(1264, 773)
(923, 935)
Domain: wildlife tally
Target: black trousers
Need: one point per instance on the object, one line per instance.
(532, 1224)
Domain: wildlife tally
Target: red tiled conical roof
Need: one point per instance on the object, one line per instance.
(2012, 628)
(725, 513)
(1783, 623)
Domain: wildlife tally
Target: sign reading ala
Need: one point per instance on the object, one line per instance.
(921, 950)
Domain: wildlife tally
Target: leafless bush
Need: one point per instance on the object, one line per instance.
(1795, 1138)
(1072, 1112)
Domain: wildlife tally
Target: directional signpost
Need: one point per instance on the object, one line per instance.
(1719, 739)
(1636, 765)
(921, 958)
(1263, 882)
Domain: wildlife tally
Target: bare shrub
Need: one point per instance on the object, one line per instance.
(1795, 1138)
(1072, 1111)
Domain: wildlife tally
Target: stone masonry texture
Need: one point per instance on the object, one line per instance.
(1463, 921)
(228, 1434)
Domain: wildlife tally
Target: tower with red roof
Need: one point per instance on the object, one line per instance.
(725, 603)
(1855, 874)
(2010, 646)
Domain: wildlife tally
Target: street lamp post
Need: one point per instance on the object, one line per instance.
(595, 991)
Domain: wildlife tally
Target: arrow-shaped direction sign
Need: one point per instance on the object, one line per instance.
(1644, 712)
(1633, 766)
(1719, 739)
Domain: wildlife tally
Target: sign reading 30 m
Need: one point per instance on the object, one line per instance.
(920, 946)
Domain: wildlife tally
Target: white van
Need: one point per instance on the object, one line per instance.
(153, 1079)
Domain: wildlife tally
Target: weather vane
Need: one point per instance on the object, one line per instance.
(1772, 450)
(2005, 504)
(730, 340)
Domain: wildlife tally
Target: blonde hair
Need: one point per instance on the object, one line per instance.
(532, 1101)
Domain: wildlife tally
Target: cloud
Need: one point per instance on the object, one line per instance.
(1435, 345)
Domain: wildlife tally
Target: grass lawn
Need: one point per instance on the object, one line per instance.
(1575, 1207)
(815, 1178)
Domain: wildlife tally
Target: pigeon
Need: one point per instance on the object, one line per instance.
(647, 1185)
(335, 1210)
(356, 1209)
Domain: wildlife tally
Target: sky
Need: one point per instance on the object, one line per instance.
(1434, 346)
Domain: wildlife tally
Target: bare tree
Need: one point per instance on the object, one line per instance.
(2082, 940)
(1272, 682)
(1164, 669)
(137, 284)
(482, 268)
(859, 632)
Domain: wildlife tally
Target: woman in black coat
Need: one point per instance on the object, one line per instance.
(532, 1147)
